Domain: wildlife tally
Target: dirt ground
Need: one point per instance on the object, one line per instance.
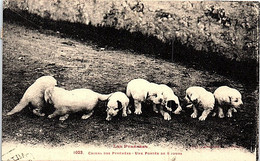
(29, 54)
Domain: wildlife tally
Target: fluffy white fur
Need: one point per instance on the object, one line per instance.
(34, 95)
(66, 102)
(118, 101)
(200, 98)
(227, 97)
(141, 90)
(170, 100)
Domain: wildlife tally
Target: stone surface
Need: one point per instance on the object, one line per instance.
(228, 28)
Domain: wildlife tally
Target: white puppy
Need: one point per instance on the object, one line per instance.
(200, 98)
(118, 101)
(66, 102)
(171, 102)
(34, 95)
(229, 98)
(141, 90)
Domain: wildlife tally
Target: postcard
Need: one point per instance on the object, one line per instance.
(128, 80)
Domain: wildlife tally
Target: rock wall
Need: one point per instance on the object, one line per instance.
(228, 28)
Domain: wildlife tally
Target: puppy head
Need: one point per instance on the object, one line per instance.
(156, 97)
(207, 101)
(155, 94)
(191, 98)
(47, 81)
(112, 109)
(52, 81)
(236, 101)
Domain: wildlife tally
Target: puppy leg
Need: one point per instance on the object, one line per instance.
(63, 118)
(195, 112)
(138, 107)
(124, 114)
(204, 115)
(128, 110)
(166, 115)
(220, 112)
(178, 110)
(229, 113)
(55, 113)
(155, 108)
(86, 116)
(234, 110)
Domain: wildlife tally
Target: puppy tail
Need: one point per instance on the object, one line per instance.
(104, 97)
(21, 105)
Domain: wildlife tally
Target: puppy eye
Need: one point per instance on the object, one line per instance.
(155, 95)
(236, 100)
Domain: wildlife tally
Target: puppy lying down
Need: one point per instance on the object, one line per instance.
(171, 102)
(66, 102)
(141, 90)
(34, 95)
(118, 101)
(200, 98)
(228, 98)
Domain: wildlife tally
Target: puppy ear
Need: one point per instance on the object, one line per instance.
(194, 98)
(172, 105)
(47, 95)
(119, 105)
(230, 99)
(146, 95)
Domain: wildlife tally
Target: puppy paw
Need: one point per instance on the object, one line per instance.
(189, 106)
(156, 111)
(108, 118)
(166, 116)
(124, 114)
(36, 112)
(84, 117)
(229, 114)
(202, 118)
(234, 110)
(42, 114)
(221, 115)
(50, 116)
(194, 115)
(129, 112)
(138, 112)
(177, 112)
(62, 118)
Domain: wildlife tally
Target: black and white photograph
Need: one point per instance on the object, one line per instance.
(157, 80)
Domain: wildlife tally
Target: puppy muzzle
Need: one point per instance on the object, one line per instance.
(186, 101)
